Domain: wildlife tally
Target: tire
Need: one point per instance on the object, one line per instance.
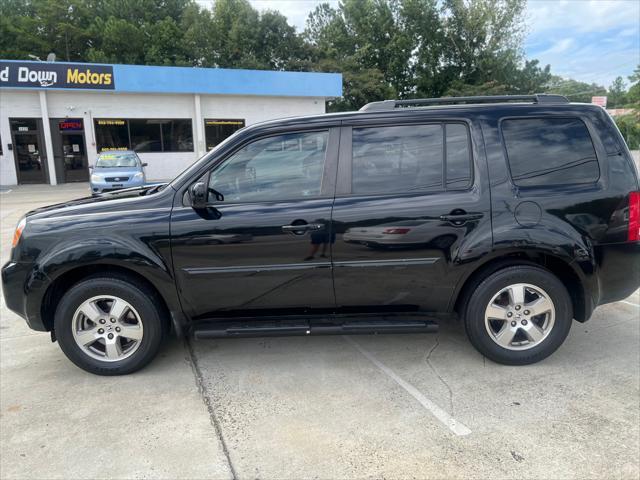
(519, 339)
(138, 320)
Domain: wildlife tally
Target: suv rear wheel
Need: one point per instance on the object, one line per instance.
(109, 326)
(519, 315)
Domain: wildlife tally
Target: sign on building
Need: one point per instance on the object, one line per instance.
(56, 75)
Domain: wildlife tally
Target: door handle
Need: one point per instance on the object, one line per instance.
(460, 218)
(301, 229)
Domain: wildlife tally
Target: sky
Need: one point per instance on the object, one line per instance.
(593, 41)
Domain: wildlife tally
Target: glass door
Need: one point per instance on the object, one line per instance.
(28, 150)
(75, 158)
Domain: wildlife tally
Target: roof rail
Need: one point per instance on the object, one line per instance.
(418, 102)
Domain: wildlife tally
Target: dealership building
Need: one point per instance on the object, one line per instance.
(56, 117)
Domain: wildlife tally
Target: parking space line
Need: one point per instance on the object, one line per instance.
(446, 419)
(630, 303)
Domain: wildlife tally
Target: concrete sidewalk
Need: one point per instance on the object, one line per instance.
(57, 421)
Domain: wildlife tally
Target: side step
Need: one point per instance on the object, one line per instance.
(220, 328)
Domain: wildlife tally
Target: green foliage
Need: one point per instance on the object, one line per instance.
(383, 48)
(574, 90)
(617, 94)
(633, 95)
(629, 126)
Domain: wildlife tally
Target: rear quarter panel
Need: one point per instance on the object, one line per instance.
(580, 224)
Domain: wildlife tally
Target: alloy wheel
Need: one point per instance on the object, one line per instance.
(520, 316)
(107, 328)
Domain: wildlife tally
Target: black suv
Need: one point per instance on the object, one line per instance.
(518, 214)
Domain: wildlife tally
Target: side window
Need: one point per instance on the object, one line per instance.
(284, 167)
(397, 159)
(550, 151)
(458, 157)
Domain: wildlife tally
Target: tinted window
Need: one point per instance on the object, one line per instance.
(550, 151)
(177, 136)
(458, 157)
(285, 167)
(397, 159)
(144, 135)
(215, 131)
(112, 134)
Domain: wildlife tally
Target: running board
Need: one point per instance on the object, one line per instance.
(220, 328)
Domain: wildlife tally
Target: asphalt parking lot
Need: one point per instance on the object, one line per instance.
(386, 406)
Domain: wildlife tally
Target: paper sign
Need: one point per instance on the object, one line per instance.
(31, 147)
(76, 147)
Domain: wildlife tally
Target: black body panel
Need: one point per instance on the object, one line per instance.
(235, 260)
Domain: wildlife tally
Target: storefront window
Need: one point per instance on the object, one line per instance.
(24, 125)
(215, 131)
(144, 135)
(177, 136)
(112, 134)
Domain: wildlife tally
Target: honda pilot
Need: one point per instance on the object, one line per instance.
(516, 215)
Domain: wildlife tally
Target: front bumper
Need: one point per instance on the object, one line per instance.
(19, 287)
(104, 187)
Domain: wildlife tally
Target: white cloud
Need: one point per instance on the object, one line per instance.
(560, 46)
(296, 11)
(605, 37)
(581, 15)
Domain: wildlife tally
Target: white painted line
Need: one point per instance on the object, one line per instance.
(630, 303)
(446, 419)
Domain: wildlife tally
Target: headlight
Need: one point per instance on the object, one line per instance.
(18, 232)
(138, 176)
(96, 178)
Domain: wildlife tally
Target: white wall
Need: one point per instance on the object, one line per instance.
(18, 104)
(91, 105)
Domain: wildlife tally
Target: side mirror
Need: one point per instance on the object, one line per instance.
(145, 164)
(198, 194)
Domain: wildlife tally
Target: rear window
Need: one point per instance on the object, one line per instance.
(550, 151)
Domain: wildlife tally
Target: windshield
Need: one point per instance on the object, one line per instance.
(112, 160)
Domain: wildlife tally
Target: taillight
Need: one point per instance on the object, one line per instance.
(396, 231)
(634, 216)
(18, 232)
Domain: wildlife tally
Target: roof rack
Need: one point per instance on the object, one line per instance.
(418, 102)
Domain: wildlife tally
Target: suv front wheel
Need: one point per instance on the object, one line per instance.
(519, 315)
(109, 326)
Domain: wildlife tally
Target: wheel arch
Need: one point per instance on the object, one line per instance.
(61, 284)
(559, 267)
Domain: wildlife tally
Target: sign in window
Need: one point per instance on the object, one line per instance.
(144, 135)
(216, 130)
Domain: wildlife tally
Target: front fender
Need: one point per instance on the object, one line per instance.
(120, 253)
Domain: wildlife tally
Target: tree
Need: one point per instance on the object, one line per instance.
(574, 90)
(383, 48)
(617, 94)
(629, 126)
(633, 95)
